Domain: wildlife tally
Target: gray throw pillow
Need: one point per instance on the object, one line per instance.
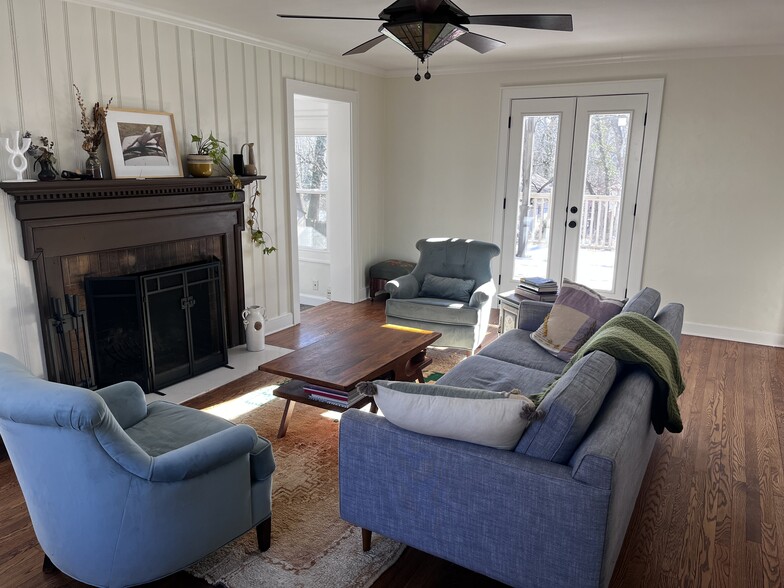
(443, 287)
(492, 419)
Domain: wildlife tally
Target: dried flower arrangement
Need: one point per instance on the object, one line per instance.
(93, 130)
(43, 152)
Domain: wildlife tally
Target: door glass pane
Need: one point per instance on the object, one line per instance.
(605, 170)
(536, 186)
(310, 152)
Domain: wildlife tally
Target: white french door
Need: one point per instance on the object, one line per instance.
(571, 187)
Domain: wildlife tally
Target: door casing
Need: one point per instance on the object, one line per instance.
(654, 88)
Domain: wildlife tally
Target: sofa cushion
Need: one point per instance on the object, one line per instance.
(569, 409)
(492, 419)
(433, 310)
(171, 426)
(645, 302)
(488, 373)
(516, 347)
(576, 315)
(443, 287)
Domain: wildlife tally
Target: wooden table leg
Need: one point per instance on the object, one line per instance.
(284, 421)
(373, 407)
(367, 534)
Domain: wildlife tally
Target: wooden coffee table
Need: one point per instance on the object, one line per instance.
(344, 359)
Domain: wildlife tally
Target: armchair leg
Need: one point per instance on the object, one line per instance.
(49, 567)
(367, 535)
(264, 533)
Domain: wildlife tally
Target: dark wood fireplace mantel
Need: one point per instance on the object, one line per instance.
(63, 220)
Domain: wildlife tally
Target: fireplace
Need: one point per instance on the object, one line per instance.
(157, 328)
(77, 230)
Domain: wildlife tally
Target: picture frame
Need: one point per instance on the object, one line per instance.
(142, 144)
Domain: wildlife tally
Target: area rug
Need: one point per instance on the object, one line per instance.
(311, 545)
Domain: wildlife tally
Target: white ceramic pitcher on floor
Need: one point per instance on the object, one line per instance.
(253, 319)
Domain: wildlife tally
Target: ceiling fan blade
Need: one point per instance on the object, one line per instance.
(326, 17)
(480, 43)
(365, 46)
(550, 22)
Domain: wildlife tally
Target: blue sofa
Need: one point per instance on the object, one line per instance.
(545, 514)
(122, 493)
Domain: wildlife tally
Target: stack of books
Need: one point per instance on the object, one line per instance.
(541, 289)
(332, 396)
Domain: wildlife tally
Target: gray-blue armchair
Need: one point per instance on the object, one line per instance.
(460, 315)
(121, 493)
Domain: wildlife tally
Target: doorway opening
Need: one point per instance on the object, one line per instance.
(322, 199)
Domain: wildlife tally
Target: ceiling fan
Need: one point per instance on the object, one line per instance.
(425, 26)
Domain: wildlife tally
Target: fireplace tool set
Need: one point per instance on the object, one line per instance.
(68, 336)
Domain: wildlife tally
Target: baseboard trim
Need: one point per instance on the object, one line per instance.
(732, 334)
(311, 300)
(279, 323)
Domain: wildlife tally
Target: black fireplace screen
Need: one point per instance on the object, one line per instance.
(157, 328)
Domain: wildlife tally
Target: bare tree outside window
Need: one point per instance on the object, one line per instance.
(310, 152)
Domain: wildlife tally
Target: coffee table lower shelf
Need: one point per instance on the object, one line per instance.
(293, 392)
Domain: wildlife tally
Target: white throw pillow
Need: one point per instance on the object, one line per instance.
(492, 419)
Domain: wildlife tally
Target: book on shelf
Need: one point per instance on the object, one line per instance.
(330, 394)
(540, 285)
(531, 295)
(341, 403)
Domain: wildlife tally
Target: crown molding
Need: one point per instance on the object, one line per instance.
(203, 26)
(703, 53)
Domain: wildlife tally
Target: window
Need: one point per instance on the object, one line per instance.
(310, 152)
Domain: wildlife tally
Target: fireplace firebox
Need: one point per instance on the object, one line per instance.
(157, 328)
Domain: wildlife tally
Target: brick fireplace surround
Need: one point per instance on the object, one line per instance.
(73, 229)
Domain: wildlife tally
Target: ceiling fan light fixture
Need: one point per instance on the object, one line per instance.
(422, 38)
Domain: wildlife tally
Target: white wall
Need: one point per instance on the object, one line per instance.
(715, 239)
(208, 82)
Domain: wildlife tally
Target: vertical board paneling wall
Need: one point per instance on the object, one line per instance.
(210, 83)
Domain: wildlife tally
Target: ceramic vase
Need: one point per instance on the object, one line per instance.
(253, 319)
(199, 166)
(47, 173)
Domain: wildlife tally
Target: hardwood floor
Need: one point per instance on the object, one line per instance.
(710, 510)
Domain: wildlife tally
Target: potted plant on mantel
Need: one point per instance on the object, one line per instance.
(211, 152)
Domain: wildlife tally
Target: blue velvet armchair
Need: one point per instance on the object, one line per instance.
(462, 323)
(121, 493)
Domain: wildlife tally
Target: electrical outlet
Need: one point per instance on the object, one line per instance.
(315, 285)
(329, 293)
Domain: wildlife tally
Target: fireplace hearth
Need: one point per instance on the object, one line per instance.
(77, 230)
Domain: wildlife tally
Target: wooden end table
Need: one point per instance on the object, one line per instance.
(342, 360)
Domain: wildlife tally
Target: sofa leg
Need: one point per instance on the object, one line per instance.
(367, 534)
(49, 567)
(264, 533)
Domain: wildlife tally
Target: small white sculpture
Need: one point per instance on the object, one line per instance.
(18, 154)
(253, 318)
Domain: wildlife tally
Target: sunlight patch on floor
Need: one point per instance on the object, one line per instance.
(237, 407)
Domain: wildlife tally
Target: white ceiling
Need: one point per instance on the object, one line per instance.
(602, 29)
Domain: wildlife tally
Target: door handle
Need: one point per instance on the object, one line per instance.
(572, 224)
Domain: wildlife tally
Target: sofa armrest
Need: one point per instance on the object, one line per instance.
(482, 294)
(491, 510)
(126, 402)
(203, 455)
(403, 287)
(532, 314)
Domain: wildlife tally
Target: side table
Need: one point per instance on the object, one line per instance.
(508, 311)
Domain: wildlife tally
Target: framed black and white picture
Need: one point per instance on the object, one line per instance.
(142, 144)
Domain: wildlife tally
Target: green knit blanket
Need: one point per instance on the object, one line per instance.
(635, 339)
